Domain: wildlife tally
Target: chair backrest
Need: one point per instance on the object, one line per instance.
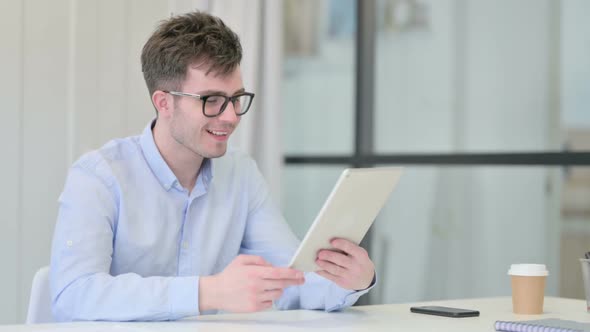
(40, 301)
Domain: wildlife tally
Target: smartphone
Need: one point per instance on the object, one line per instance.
(445, 311)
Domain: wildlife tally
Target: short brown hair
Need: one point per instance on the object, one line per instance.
(183, 40)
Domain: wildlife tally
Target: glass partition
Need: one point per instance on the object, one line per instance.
(318, 76)
(449, 79)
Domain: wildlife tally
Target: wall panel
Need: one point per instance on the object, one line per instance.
(44, 130)
(10, 145)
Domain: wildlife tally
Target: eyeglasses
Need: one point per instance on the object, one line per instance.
(215, 104)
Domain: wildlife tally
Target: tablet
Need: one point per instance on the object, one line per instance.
(349, 211)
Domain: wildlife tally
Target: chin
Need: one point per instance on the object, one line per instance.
(215, 154)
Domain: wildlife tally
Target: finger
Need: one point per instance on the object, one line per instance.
(265, 305)
(252, 260)
(329, 276)
(270, 295)
(268, 284)
(336, 258)
(348, 247)
(332, 268)
(280, 273)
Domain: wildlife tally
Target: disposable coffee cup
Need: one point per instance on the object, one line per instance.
(528, 288)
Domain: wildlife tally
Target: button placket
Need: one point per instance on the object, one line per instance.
(184, 252)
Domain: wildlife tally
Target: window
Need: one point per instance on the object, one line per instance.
(489, 120)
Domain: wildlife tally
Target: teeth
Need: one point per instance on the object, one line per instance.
(217, 133)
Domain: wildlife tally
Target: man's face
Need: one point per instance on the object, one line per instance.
(205, 136)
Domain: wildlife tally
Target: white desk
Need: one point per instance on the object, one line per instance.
(392, 317)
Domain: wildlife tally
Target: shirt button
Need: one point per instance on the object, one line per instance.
(69, 243)
(184, 245)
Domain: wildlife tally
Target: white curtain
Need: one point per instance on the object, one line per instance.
(259, 25)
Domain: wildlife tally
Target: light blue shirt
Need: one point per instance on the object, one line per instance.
(130, 242)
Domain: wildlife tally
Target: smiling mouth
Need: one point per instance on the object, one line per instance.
(217, 133)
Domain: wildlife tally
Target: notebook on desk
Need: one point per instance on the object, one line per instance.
(551, 324)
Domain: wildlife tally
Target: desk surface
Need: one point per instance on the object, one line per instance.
(391, 317)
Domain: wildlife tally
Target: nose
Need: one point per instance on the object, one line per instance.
(229, 114)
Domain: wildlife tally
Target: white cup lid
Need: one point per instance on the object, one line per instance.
(532, 270)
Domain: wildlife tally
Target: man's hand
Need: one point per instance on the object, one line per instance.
(247, 284)
(352, 269)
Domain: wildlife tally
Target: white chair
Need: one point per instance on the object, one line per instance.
(40, 301)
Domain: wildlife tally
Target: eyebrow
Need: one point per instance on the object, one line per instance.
(219, 92)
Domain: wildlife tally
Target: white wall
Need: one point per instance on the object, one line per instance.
(10, 145)
(71, 80)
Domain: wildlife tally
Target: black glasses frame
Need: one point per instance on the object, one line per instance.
(204, 98)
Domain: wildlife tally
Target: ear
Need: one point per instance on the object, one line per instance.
(163, 103)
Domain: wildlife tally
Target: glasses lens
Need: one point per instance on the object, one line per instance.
(213, 104)
(242, 104)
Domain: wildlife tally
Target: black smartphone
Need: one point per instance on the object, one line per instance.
(445, 311)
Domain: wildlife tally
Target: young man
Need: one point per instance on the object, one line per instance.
(170, 224)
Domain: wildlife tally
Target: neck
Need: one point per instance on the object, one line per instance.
(184, 163)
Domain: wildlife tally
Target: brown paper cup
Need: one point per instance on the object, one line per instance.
(528, 288)
(528, 294)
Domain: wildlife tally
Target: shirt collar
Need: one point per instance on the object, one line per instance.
(207, 171)
(158, 165)
(154, 159)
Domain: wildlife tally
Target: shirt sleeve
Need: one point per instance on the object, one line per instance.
(335, 298)
(81, 286)
(268, 235)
